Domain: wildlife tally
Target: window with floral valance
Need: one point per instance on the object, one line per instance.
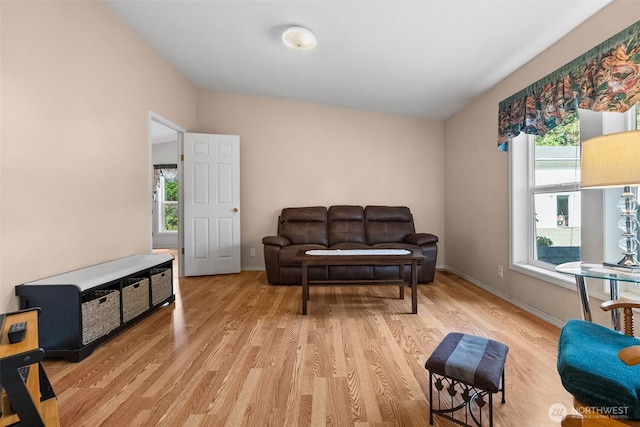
(606, 78)
(168, 171)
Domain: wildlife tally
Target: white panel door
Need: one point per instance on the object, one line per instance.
(211, 204)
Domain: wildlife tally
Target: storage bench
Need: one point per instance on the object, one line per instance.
(83, 308)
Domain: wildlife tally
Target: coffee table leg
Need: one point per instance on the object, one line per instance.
(305, 287)
(414, 286)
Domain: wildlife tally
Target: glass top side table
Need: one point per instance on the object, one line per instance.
(582, 269)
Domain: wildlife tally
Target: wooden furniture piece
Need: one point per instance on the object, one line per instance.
(375, 257)
(83, 308)
(469, 369)
(595, 362)
(26, 396)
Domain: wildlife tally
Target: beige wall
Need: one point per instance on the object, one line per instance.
(77, 88)
(302, 154)
(477, 179)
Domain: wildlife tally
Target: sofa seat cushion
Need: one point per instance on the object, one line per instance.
(288, 253)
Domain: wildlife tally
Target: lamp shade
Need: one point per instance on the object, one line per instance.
(611, 160)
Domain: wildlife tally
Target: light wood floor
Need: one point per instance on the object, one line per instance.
(233, 350)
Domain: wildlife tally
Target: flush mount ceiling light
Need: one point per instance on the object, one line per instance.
(299, 38)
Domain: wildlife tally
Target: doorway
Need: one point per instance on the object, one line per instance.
(165, 148)
(208, 198)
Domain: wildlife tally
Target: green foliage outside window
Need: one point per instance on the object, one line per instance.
(171, 209)
(567, 134)
(171, 217)
(544, 241)
(171, 191)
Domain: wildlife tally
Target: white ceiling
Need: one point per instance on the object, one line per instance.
(424, 58)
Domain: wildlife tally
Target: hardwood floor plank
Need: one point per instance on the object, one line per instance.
(235, 351)
(242, 402)
(319, 404)
(194, 420)
(338, 402)
(393, 353)
(111, 407)
(362, 373)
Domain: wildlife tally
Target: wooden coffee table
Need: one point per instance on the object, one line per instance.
(374, 257)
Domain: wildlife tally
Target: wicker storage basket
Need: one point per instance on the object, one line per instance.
(160, 285)
(135, 298)
(100, 314)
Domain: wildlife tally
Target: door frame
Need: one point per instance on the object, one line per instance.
(154, 117)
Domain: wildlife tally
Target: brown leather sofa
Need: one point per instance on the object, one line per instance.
(345, 227)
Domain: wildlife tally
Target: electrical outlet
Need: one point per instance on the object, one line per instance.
(500, 271)
(253, 251)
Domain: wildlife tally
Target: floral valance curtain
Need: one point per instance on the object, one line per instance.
(168, 171)
(607, 78)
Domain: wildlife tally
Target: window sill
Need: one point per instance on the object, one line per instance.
(566, 281)
(560, 279)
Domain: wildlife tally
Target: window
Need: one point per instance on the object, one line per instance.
(555, 194)
(168, 205)
(548, 210)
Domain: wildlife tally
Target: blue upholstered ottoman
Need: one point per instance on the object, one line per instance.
(468, 369)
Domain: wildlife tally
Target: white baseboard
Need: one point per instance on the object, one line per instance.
(252, 268)
(540, 314)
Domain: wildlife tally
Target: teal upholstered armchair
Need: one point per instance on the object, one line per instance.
(600, 367)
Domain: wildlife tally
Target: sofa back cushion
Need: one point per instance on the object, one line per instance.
(304, 225)
(346, 225)
(388, 224)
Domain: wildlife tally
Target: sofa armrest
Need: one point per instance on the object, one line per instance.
(276, 241)
(421, 239)
(272, 247)
(428, 244)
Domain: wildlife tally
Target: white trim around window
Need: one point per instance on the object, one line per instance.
(599, 235)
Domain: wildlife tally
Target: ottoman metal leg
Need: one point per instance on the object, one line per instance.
(430, 398)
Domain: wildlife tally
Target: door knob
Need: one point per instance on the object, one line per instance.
(235, 209)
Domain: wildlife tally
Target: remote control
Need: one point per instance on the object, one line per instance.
(17, 332)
